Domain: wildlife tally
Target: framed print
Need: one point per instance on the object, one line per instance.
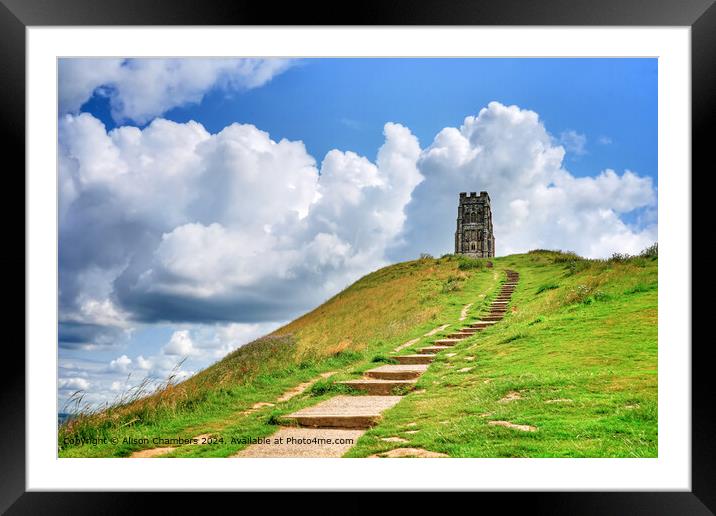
(414, 251)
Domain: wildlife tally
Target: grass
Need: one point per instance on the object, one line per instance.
(466, 263)
(546, 287)
(579, 349)
(575, 357)
(347, 334)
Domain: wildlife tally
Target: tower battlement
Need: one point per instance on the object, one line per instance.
(474, 194)
(474, 236)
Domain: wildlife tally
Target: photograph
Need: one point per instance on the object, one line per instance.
(357, 257)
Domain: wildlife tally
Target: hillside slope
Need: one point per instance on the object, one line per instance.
(574, 360)
(574, 363)
(372, 316)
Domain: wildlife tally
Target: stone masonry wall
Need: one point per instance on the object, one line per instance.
(474, 236)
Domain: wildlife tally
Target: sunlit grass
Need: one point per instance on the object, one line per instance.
(581, 356)
(345, 334)
(575, 357)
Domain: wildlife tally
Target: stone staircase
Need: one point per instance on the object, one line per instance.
(350, 416)
(414, 359)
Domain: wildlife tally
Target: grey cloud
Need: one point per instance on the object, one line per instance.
(170, 223)
(74, 335)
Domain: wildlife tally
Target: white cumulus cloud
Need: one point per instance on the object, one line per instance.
(180, 344)
(74, 384)
(189, 226)
(536, 202)
(142, 88)
(120, 364)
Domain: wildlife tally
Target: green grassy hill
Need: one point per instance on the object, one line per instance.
(576, 358)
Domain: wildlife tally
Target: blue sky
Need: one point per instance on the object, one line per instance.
(343, 103)
(204, 202)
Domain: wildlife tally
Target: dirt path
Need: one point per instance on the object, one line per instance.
(436, 330)
(151, 452)
(300, 388)
(414, 341)
(287, 395)
(406, 345)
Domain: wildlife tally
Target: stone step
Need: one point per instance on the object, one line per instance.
(432, 350)
(396, 372)
(462, 334)
(304, 442)
(482, 324)
(446, 342)
(414, 359)
(345, 412)
(378, 386)
(492, 318)
(467, 329)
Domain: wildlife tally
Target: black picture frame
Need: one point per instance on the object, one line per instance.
(17, 15)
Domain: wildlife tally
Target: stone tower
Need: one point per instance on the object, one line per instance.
(474, 235)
